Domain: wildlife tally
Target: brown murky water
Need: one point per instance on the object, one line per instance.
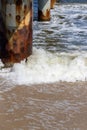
(58, 106)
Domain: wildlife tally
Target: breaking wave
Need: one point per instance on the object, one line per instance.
(45, 67)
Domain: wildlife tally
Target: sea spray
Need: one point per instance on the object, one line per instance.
(45, 67)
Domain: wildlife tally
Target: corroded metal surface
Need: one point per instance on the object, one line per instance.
(44, 10)
(53, 3)
(18, 31)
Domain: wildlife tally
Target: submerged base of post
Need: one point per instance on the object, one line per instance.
(43, 10)
(42, 17)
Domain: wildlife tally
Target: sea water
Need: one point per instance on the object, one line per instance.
(59, 49)
(49, 92)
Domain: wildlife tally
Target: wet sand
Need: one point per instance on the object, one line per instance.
(58, 106)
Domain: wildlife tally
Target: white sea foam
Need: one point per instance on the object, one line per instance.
(44, 67)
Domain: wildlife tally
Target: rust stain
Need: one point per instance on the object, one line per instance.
(18, 19)
(25, 9)
(53, 3)
(42, 17)
(18, 6)
(18, 45)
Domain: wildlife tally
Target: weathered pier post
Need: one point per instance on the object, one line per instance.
(43, 10)
(15, 30)
(53, 3)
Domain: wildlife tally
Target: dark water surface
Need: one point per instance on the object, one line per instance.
(67, 30)
(72, 1)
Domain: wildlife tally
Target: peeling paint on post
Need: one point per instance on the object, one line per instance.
(53, 3)
(43, 10)
(18, 31)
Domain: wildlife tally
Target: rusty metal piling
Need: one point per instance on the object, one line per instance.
(43, 10)
(15, 30)
(53, 3)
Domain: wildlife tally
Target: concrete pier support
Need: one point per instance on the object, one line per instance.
(43, 10)
(15, 30)
(53, 3)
